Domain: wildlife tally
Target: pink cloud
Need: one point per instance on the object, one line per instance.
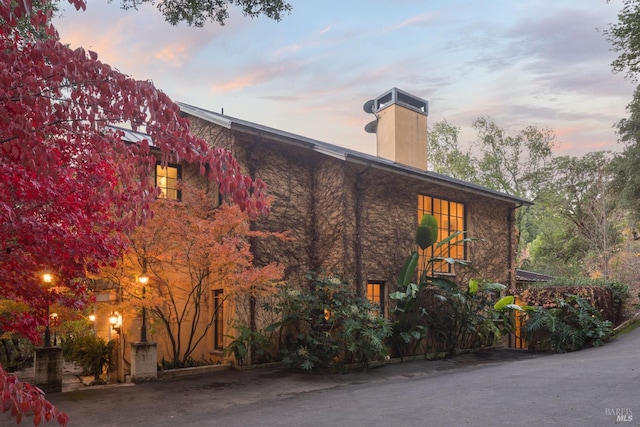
(416, 20)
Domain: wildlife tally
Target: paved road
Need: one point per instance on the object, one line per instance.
(499, 388)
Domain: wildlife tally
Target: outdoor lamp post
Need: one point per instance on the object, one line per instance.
(143, 280)
(47, 278)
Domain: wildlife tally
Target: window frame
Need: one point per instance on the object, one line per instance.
(436, 206)
(380, 284)
(178, 178)
(218, 322)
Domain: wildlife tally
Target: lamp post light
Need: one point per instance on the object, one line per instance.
(143, 329)
(47, 278)
(55, 321)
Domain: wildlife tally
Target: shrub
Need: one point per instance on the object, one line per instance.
(567, 324)
(246, 342)
(607, 296)
(443, 318)
(436, 314)
(327, 326)
(89, 352)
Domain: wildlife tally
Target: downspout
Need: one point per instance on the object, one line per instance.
(510, 257)
(359, 192)
(510, 278)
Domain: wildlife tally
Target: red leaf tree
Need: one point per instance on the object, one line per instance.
(69, 185)
(188, 250)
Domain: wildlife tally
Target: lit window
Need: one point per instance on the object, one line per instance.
(450, 217)
(218, 325)
(167, 180)
(375, 295)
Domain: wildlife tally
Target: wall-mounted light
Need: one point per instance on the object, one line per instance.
(115, 320)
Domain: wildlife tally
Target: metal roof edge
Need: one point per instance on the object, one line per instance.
(345, 153)
(203, 114)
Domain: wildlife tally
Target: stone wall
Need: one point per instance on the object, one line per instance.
(352, 220)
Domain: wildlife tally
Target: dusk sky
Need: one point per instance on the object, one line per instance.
(535, 62)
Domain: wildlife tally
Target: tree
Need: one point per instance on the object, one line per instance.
(188, 250)
(583, 197)
(517, 165)
(514, 164)
(197, 13)
(70, 186)
(625, 165)
(624, 35)
(21, 398)
(445, 155)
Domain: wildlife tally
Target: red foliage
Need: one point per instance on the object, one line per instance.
(22, 399)
(69, 185)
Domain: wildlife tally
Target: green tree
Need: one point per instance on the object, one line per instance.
(518, 164)
(515, 164)
(581, 191)
(445, 154)
(626, 182)
(624, 36)
(554, 248)
(198, 13)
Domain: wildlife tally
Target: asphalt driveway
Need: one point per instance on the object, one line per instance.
(594, 387)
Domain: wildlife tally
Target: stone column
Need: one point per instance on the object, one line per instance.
(48, 369)
(144, 361)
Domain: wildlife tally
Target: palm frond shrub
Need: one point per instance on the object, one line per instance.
(436, 314)
(567, 324)
(326, 325)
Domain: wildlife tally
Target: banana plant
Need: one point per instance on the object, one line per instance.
(413, 323)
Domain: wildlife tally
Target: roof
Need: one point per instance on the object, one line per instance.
(530, 276)
(132, 135)
(345, 154)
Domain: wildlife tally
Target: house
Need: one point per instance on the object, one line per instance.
(350, 214)
(354, 215)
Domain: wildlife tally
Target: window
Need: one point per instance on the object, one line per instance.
(167, 180)
(375, 294)
(450, 217)
(218, 323)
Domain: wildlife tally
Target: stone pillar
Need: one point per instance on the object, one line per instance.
(144, 361)
(48, 369)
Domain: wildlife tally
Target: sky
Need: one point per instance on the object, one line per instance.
(520, 63)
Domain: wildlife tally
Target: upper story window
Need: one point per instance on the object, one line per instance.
(167, 180)
(451, 218)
